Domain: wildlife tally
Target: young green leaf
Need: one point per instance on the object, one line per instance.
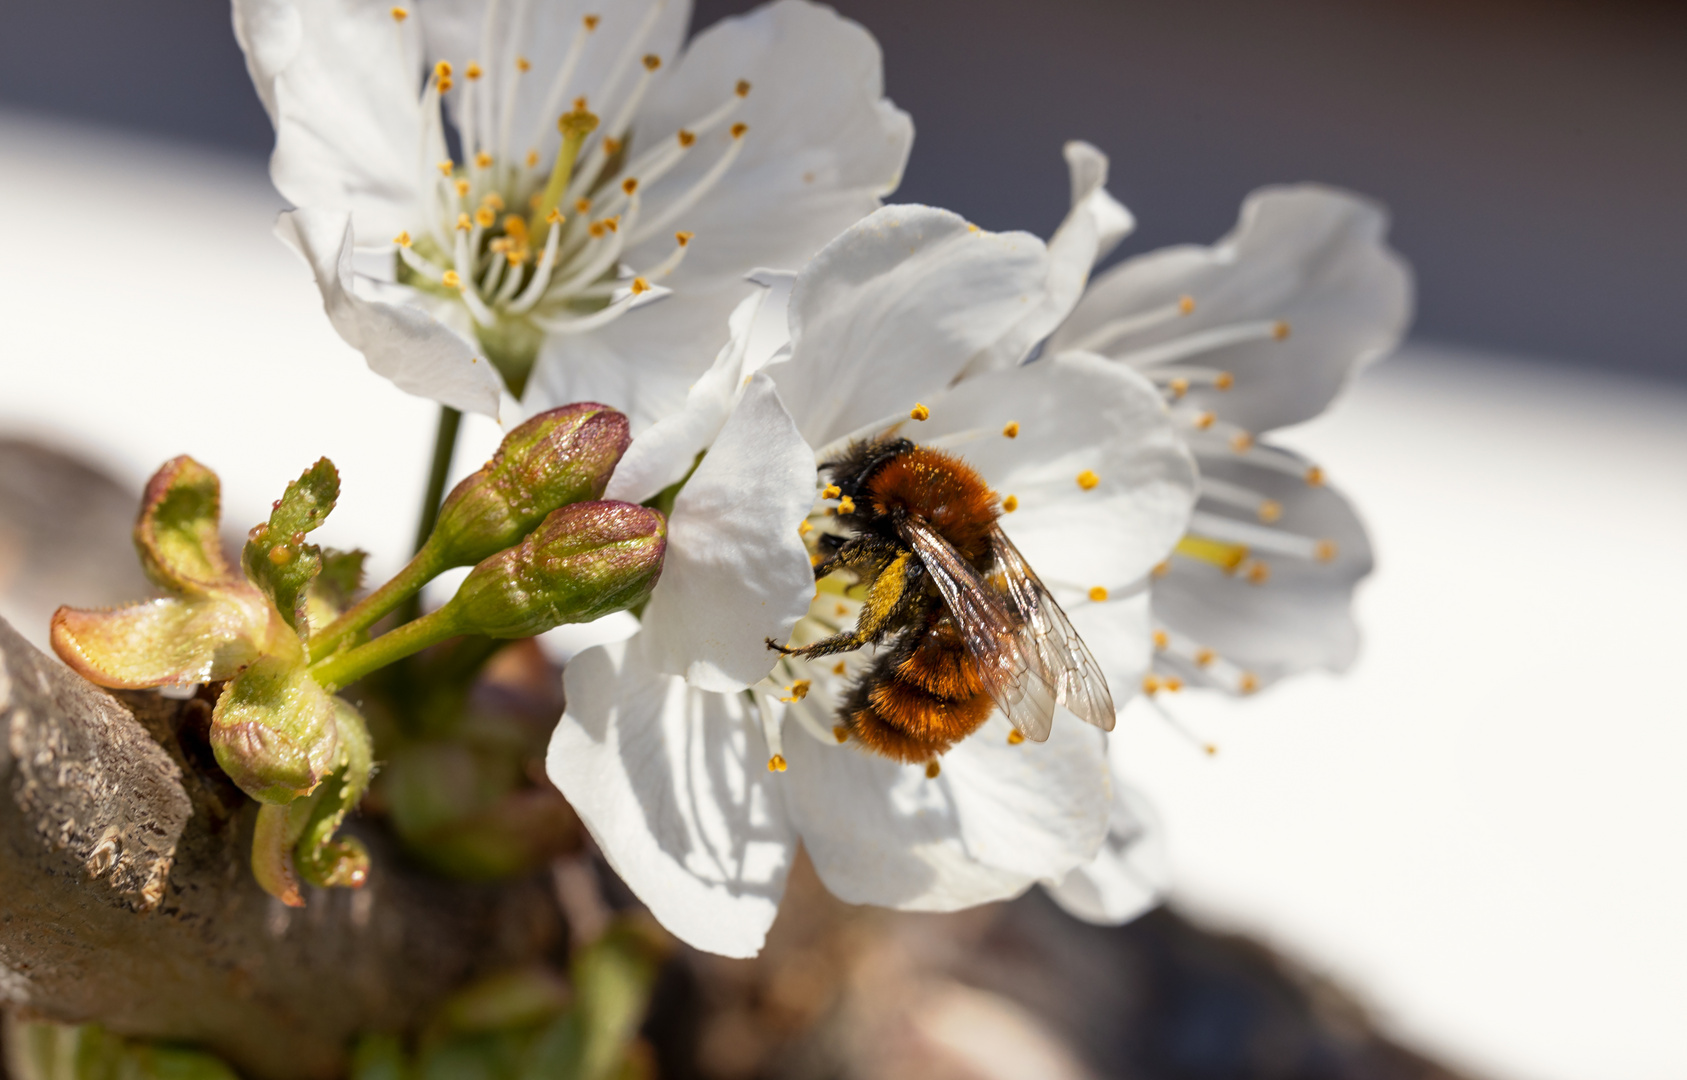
(276, 558)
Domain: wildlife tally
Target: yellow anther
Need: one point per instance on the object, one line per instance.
(685, 138)
(1088, 480)
(640, 286)
(830, 491)
(683, 238)
(532, 159)
(473, 70)
(1226, 556)
(444, 85)
(582, 206)
(839, 732)
(840, 611)
(1011, 429)
(1173, 684)
(1270, 510)
(1010, 504)
(1204, 657)
(1161, 569)
(523, 64)
(1161, 640)
(776, 763)
(743, 88)
(919, 412)
(450, 280)
(1224, 380)
(611, 145)
(1314, 476)
(1258, 573)
(1185, 304)
(516, 226)
(596, 230)
(846, 505)
(486, 217)
(738, 130)
(442, 70)
(464, 223)
(1325, 551)
(804, 529)
(555, 217)
(483, 160)
(1241, 442)
(1280, 330)
(399, 14)
(580, 103)
(630, 184)
(839, 668)
(612, 223)
(517, 255)
(1015, 737)
(932, 769)
(1150, 685)
(652, 62)
(1178, 386)
(799, 690)
(462, 187)
(1211, 749)
(1098, 593)
(492, 199)
(446, 167)
(1248, 683)
(591, 22)
(814, 560)
(402, 239)
(1203, 421)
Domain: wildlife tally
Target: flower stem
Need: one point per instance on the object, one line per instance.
(367, 611)
(345, 668)
(444, 446)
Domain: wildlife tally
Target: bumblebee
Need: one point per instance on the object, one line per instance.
(967, 626)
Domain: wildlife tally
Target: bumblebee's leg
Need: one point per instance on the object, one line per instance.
(894, 592)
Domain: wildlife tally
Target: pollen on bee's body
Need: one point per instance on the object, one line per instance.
(1088, 480)
(846, 505)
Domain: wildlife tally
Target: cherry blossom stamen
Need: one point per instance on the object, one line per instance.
(662, 221)
(1201, 341)
(1102, 336)
(564, 75)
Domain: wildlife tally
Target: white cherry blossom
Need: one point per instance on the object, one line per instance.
(490, 192)
(696, 769)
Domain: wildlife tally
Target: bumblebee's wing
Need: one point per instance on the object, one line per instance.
(992, 632)
(1050, 642)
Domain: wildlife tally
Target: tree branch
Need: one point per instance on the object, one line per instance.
(127, 897)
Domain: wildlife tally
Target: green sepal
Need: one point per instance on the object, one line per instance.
(276, 558)
(166, 642)
(335, 588)
(274, 730)
(178, 532)
(295, 842)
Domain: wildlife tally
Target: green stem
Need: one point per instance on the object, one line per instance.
(444, 446)
(345, 668)
(366, 612)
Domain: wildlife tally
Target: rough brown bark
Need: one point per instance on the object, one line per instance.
(125, 895)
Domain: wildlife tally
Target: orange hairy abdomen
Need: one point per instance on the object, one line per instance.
(919, 700)
(946, 492)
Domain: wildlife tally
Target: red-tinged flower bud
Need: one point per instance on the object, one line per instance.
(274, 731)
(585, 561)
(559, 457)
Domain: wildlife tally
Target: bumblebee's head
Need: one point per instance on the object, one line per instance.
(851, 470)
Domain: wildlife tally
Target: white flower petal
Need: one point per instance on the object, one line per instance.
(882, 833)
(671, 781)
(1310, 256)
(736, 572)
(894, 308)
(403, 343)
(1131, 872)
(1120, 634)
(823, 145)
(340, 81)
(1093, 227)
(1301, 616)
(1075, 414)
(1038, 809)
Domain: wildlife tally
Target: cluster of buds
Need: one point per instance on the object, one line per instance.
(280, 635)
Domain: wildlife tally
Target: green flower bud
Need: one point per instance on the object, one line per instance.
(559, 457)
(585, 561)
(274, 731)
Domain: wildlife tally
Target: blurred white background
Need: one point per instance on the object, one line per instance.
(1482, 830)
